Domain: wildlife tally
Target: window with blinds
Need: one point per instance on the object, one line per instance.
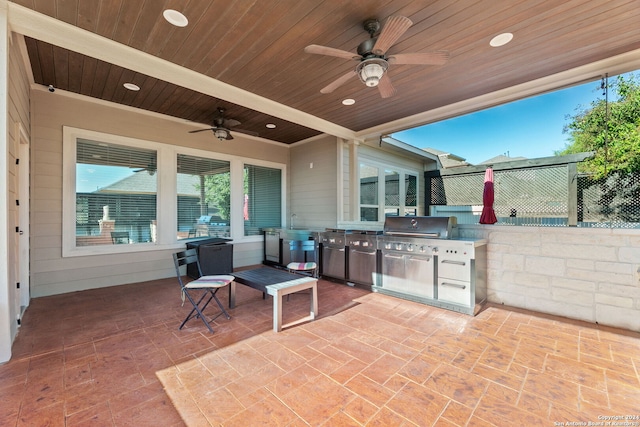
(203, 197)
(115, 192)
(262, 204)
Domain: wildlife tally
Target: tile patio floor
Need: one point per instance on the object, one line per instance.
(115, 357)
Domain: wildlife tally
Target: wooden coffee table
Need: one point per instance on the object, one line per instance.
(277, 283)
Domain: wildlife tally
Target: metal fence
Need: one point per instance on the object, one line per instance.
(549, 193)
(613, 201)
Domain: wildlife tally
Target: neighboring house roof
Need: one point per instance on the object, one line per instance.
(143, 183)
(447, 160)
(501, 158)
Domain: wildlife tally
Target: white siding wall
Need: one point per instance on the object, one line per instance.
(345, 155)
(53, 274)
(17, 112)
(313, 190)
(581, 273)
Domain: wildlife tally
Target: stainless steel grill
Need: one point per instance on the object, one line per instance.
(421, 260)
(421, 226)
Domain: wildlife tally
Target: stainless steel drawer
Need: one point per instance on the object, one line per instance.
(452, 268)
(455, 291)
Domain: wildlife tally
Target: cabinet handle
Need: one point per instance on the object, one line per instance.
(448, 261)
(363, 252)
(454, 285)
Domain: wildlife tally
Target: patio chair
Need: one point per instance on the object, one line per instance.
(306, 246)
(119, 237)
(208, 285)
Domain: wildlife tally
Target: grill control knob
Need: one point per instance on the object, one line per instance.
(398, 246)
(410, 247)
(435, 249)
(422, 249)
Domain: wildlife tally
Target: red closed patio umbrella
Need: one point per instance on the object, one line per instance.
(488, 215)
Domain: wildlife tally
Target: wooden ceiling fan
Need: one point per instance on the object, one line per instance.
(222, 127)
(373, 61)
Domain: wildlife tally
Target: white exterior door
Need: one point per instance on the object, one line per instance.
(22, 259)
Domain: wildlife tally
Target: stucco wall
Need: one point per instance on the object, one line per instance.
(581, 273)
(51, 272)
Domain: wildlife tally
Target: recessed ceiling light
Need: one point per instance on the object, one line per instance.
(271, 126)
(348, 101)
(501, 39)
(131, 86)
(175, 18)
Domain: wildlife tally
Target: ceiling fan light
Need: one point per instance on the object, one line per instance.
(221, 134)
(371, 71)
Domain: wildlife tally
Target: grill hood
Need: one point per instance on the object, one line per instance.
(434, 227)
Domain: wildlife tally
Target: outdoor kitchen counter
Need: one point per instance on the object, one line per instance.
(420, 261)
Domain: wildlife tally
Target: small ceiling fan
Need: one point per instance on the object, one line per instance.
(372, 56)
(222, 127)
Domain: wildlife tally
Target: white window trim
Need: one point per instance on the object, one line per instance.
(382, 166)
(166, 196)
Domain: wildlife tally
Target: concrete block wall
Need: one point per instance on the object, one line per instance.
(580, 273)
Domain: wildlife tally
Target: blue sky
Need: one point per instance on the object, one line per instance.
(89, 178)
(528, 128)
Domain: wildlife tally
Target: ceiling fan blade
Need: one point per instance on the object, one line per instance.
(200, 130)
(329, 51)
(385, 87)
(229, 136)
(338, 82)
(229, 123)
(246, 132)
(428, 58)
(393, 29)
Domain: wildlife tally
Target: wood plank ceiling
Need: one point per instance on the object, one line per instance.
(258, 46)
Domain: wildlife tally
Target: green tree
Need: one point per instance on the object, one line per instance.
(610, 129)
(218, 193)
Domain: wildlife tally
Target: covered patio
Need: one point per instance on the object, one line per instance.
(114, 356)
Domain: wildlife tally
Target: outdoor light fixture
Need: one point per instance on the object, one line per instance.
(175, 18)
(131, 86)
(501, 39)
(221, 134)
(371, 71)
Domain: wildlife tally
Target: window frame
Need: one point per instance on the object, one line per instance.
(166, 194)
(383, 167)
